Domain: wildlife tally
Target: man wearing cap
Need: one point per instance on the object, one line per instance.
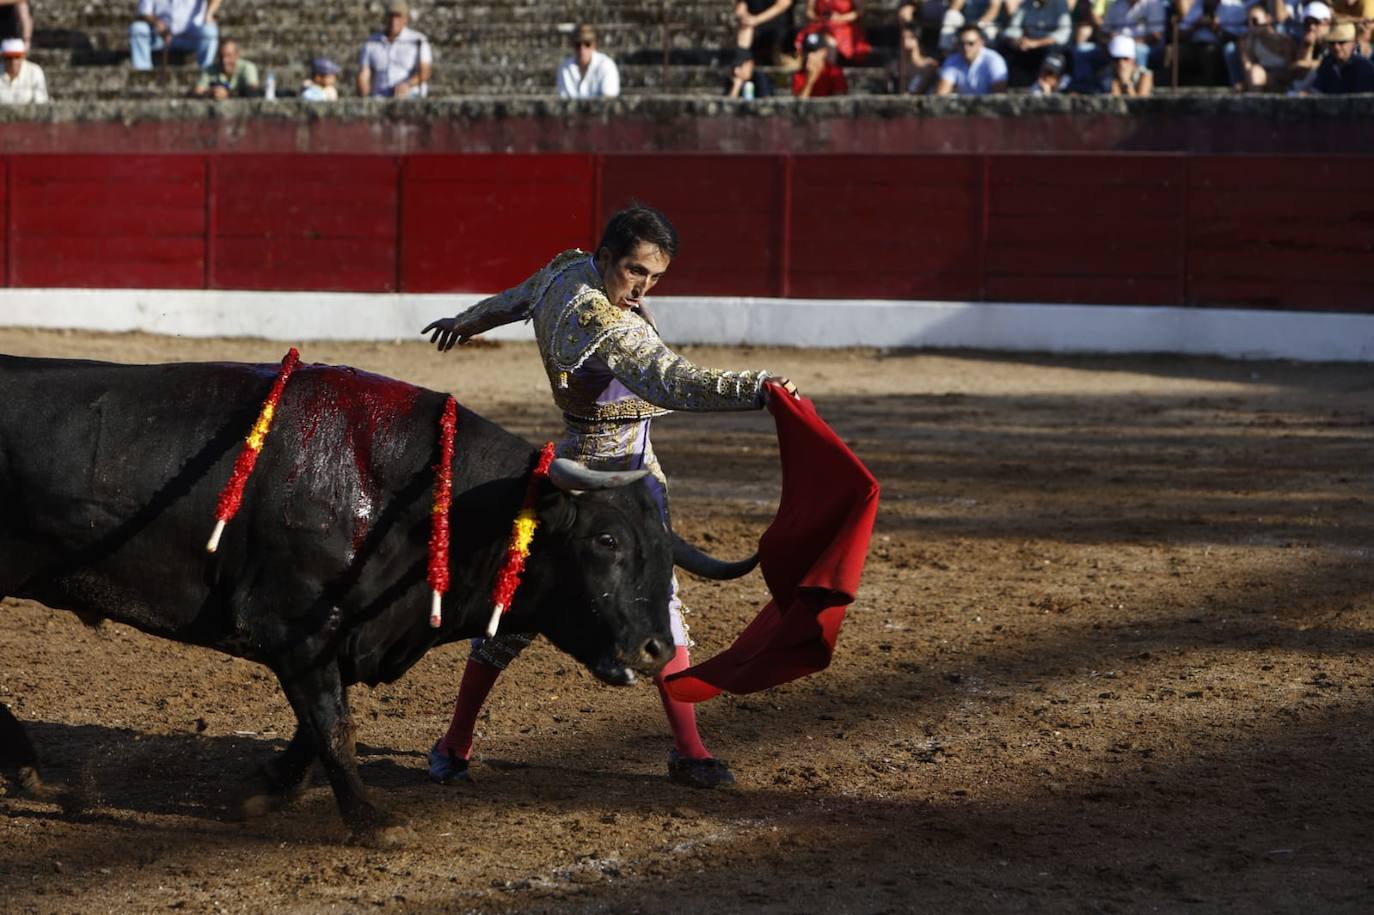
(22, 82)
(745, 81)
(232, 76)
(973, 69)
(587, 72)
(1343, 72)
(1143, 20)
(1051, 79)
(1316, 25)
(185, 25)
(819, 75)
(1128, 77)
(320, 87)
(395, 62)
(1036, 28)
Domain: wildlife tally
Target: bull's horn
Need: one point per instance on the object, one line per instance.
(570, 476)
(698, 563)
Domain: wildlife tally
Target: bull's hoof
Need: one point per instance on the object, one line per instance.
(392, 832)
(259, 798)
(72, 801)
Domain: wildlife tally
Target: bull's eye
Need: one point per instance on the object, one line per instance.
(606, 541)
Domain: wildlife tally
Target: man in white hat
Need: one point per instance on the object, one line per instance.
(22, 82)
(1316, 25)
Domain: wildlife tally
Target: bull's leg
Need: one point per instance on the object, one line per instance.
(317, 696)
(18, 761)
(281, 780)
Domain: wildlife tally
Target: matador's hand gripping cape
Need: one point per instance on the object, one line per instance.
(812, 556)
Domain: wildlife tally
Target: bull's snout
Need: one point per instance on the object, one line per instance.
(654, 654)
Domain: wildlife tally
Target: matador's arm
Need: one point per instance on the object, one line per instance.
(642, 362)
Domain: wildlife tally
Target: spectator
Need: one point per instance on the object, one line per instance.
(1207, 36)
(586, 72)
(1128, 77)
(22, 82)
(1142, 20)
(1035, 29)
(16, 21)
(915, 72)
(926, 18)
(231, 77)
(745, 81)
(395, 62)
(1355, 11)
(762, 26)
(322, 84)
(986, 14)
(1266, 56)
(838, 20)
(819, 74)
(1342, 71)
(974, 69)
(1051, 80)
(183, 25)
(1316, 25)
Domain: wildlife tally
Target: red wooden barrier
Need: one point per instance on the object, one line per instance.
(484, 223)
(305, 222)
(107, 221)
(1108, 228)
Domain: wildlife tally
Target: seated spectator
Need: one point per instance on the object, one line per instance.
(397, 61)
(974, 70)
(1360, 13)
(926, 18)
(1142, 20)
(914, 72)
(762, 26)
(182, 25)
(986, 14)
(1266, 56)
(322, 84)
(1087, 20)
(1051, 80)
(1128, 77)
(838, 20)
(1207, 36)
(745, 81)
(1035, 29)
(1316, 25)
(22, 82)
(16, 21)
(587, 73)
(1342, 71)
(231, 77)
(819, 74)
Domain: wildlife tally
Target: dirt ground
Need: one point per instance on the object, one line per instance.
(1111, 653)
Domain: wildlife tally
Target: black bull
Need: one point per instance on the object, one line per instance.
(109, 477)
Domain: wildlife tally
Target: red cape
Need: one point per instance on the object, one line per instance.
(811, 555)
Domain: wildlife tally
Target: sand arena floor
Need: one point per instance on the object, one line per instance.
(1112, 653)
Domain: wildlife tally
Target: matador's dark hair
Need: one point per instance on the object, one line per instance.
(634, 224)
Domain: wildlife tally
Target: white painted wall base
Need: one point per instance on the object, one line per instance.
(301, 316)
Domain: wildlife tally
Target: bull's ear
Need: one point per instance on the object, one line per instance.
(557, 511)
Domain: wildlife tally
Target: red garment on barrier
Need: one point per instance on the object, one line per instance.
(811, 555)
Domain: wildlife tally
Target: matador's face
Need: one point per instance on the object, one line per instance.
(629, 279)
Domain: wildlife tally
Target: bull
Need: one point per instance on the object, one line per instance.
(109, 476)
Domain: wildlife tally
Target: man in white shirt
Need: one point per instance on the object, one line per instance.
(21, 82)
(188, 25)
(587, 73)
(973, 69)
(397, 61)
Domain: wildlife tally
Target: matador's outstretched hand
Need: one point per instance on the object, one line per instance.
(448, 331)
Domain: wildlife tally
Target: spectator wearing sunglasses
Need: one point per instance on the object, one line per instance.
(1342, 71)
(973, 69)
(586, 72)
